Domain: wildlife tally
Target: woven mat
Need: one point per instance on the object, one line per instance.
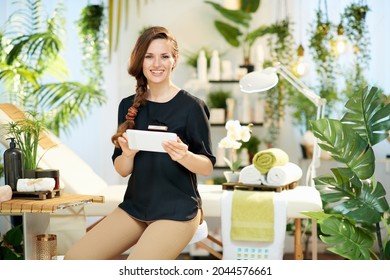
(48, 205)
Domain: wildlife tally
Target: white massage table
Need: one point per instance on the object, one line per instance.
(298, 200)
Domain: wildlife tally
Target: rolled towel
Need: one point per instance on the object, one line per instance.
(284, 174)
(5, 193)
(35, 185)
(250, 175)
(266, 159)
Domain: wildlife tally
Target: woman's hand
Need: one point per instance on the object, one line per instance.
(123, 143)
(177, 150)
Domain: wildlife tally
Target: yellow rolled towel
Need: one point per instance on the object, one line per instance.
(266, 159)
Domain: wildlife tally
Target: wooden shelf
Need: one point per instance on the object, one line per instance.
(223, 81)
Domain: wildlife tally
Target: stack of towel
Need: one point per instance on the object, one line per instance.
(266, 159)
(271, 167)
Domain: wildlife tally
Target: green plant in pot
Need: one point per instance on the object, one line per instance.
(216, 100)
(236, 30)
(27, 133)
(357, 209)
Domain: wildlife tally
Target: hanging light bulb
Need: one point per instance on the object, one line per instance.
(339, 45)
(232, 4)
(301, 67)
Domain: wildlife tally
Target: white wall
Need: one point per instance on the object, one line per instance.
(191, 22)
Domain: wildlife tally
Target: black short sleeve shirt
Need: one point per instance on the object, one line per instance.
(160, 188)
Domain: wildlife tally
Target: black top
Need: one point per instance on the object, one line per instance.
(160, 188)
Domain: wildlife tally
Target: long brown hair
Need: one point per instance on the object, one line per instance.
(135, 70)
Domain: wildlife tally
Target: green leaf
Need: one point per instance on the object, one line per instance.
(359, 201)
(68, 101)
(351, 241)
(345, 146)
(367, 115)
(367, 207)
(14, 236)
(257, 33)
(387, 250)
(237, 16)
(250, 6)
(230, 33)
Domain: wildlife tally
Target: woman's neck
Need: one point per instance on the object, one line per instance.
(159, 93)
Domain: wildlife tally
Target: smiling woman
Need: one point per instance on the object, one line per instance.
(162, 197)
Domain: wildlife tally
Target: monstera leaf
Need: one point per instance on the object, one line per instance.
(345, 146)
(357, 200)
(368, 116)
(352, 242)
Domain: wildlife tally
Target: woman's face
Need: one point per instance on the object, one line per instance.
(158, 61)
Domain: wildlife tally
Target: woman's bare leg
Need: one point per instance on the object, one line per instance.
(112, 236)
(164, 239)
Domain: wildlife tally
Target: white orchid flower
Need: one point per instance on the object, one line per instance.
(245, 133)
(229, 143)
(235, 136)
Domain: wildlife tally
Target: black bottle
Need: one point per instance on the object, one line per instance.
(13, 165)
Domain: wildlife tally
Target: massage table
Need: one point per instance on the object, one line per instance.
(297, 201)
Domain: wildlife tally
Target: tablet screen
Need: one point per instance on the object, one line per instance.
(145, 140)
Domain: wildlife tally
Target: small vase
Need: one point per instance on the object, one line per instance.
(231, 177)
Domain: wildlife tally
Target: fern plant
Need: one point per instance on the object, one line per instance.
(33, 72)
(358, 206)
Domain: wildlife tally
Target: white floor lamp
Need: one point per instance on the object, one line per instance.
(259, 81)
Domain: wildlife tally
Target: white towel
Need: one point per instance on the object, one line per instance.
(251, 175)
(283, 175)
(5, 193)
(35, 185)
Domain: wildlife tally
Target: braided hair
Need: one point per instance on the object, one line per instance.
(135, 70)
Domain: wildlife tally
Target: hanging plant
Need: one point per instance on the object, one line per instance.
(280, 44)
(325, 61)
(356, 30)
(91, 33)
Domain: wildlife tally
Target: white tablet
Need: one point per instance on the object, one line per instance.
(146, 140)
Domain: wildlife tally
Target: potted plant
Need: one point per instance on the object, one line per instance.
(216, 100)
(27, 132)
(358, 206)
(236, 32)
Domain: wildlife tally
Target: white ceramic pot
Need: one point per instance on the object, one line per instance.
(231, 177)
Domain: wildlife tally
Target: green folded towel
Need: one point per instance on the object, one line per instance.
(266, 159)
(252, 216)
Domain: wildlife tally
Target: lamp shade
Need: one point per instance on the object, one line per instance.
(258, 81)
